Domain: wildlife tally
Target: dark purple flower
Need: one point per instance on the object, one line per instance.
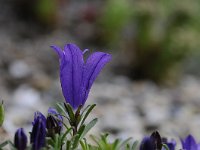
(146, 144)
(54, 122)
(20, 139)
(59, 118)
(77, 76)
(40, 115)
(38, 133)
(153, 142)
(189, 143)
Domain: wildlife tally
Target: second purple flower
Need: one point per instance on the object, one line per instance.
(77, 76)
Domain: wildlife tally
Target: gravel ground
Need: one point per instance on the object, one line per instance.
(125, 108)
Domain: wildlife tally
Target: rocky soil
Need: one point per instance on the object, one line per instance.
(29, 82)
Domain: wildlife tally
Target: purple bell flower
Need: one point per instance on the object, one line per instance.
(20, 139)
(38, 133)
(77, 76)
(189, 143)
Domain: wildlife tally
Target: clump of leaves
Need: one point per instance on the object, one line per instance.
(154, 36)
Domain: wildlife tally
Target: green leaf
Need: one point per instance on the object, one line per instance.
(125, 142)
(116, 143)
(88, 127)
(81, 130)
(65, 134)
(62, 109)
(134, 145)
(6, 143)
(2, 113)
(75, 141)
(86, 108)
(70, 112)
(68, 145)
(87, 113)
(83, 146)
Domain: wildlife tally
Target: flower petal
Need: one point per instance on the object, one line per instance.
(189, 143)
(71, 74)
(58, 50)
(92, 68)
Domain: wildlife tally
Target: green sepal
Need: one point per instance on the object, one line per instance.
(70, 112)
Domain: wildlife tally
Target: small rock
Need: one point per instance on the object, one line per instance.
(19, 69)
(26, 96)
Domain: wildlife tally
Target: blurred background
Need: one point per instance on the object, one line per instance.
(152, 83)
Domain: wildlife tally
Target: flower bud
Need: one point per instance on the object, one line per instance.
(153, 142)
(20, 139)
(38, 133)
(56, 115)
(53, 126)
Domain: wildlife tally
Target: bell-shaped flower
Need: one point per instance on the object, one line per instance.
(20, 139)
(38, 133)
(77, 76)
(189, 143)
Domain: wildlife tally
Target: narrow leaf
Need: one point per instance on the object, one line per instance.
(125, 142)
(61, 107)
(88, 127)
(75, 141)
(2, 113)
(87, 113)
(65, 134)
(70, 112)
(134, 145)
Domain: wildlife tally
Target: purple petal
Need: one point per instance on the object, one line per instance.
(189, 143)
(58, 50)
(38, 114)
(93, 66)
(71, 74)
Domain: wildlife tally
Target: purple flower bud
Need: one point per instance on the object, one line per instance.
(146, 144)
(153, 142)
(20, 139)
(40, 115)
(53, 112)
(38, 133)
(77, 76)
(53, 126)
(189, 143)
